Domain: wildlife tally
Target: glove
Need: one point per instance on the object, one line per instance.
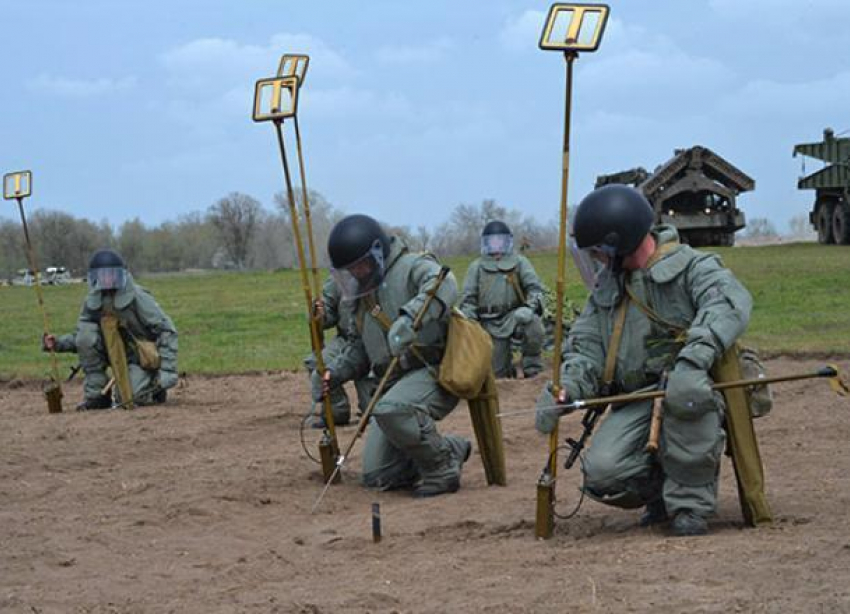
(320, 385)
(167, 379)
(48, 342)
(548, 413)
(400, 335)
(689, 395)
(523, 315)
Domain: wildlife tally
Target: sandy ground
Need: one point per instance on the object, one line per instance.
(203, 505)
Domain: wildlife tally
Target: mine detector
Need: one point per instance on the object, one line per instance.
(830, 214)
(696, 191)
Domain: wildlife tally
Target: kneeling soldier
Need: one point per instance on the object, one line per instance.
(388, 286)
(503, 292)
(656, 307)
(117, 311)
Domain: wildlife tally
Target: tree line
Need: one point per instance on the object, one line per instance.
(238, 232)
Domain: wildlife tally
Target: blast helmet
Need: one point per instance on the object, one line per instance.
(107, 271)
(610, 223)
(496, 238)
(358, 248)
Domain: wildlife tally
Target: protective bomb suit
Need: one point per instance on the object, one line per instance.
(634, 273)
(112, 292)
(388, 286)
(338, 315)
(502, 291)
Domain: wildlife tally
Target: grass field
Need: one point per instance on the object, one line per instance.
(242, 322)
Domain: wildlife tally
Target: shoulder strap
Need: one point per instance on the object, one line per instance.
(614, 343)
(376, 312)
(515, 283)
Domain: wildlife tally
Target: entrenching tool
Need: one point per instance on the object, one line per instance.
(569, 28)
(18, 186)
(275, 100)
(379, 391)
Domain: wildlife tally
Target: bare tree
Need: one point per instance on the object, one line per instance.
(235, 218)
(423, 238)
(759, 227)
(323, 216)
(801, 228)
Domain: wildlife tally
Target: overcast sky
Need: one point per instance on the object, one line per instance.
(126, 108)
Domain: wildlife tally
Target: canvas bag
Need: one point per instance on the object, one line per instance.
(467, 360)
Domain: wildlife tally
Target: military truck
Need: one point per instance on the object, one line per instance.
(830, 214)
(696, 191)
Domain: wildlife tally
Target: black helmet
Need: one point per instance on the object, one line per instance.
(107, 271)
(358, 248)
(616, 217)
(496, 227)
(496, 239)
(353, 237)
(103, 258)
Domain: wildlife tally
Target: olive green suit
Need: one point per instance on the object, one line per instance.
(337, 315)
(140, 317)
(402, 442)
(693, 291)
(495, 292)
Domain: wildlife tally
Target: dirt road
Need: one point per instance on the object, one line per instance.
(203, 506)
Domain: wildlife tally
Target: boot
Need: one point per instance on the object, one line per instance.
(655, 513)
(98, 402)
(443, 476)
(532, 366)
(687, 523)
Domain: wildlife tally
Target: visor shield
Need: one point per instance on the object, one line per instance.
(593, 263)
(108, 278)
(496, 244)
(361, 276)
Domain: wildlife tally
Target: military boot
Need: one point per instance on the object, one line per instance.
(443, 475)
(687, 523)
(655, 513)
(99, 402)
(532, 366)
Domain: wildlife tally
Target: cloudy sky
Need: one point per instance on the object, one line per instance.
(126, 108)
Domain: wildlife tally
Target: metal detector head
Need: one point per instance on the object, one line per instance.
(275, 99)
(17, 185)
(574, 27)
(293, 65)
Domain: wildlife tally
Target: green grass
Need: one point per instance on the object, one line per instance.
(240, 322)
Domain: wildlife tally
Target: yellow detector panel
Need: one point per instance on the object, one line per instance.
(293, 65)
(275, 99)
(17, 185)
(574, 27)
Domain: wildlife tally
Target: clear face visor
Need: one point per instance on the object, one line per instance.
(594, 263)
(108, 278)
(496, 244)
(363, 275)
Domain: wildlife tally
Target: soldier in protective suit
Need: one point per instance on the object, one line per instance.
(387, 286)
(335, 314)
(675, 310)
(503, 292)
(143, 327)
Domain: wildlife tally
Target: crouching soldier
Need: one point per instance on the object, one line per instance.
(656, 307)
(336, 314)
(388, 286)
(120, 327)
(503, 292)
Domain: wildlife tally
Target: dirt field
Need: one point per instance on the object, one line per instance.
(204, 506)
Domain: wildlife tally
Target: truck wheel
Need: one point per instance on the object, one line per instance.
(825, 210)
(841, 223)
